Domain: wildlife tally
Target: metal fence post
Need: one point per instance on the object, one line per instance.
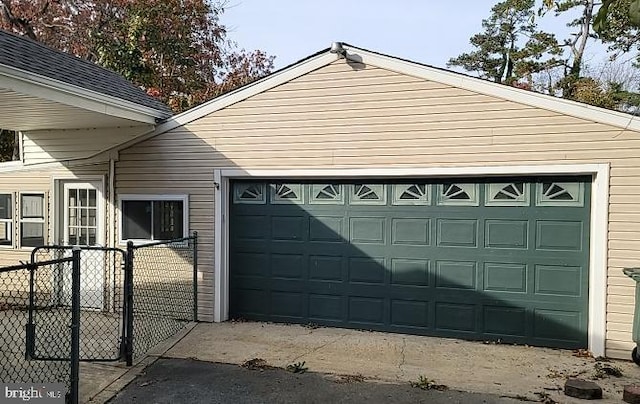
(75, 327)
(128, 290)
(30, 330)
(195, 276)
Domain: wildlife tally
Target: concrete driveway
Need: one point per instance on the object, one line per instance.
(504, 370)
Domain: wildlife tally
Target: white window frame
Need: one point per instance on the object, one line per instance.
(11, 220)
(20, 220)
(151, 198)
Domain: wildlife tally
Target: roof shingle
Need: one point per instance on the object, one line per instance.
(33, 57)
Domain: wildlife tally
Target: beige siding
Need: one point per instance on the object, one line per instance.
(37, 181)
(44, 146)
(340, 117)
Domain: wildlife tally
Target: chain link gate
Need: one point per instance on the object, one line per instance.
(130, 300)
(102, 302)
(39, 336)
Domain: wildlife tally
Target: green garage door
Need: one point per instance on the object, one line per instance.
(502, 259)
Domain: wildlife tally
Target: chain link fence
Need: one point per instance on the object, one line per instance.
(73, 304)
(101, 298)
(164, 283)
(39, 324)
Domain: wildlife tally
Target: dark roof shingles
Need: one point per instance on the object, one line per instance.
(28, 55)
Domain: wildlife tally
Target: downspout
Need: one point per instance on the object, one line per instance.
(112, 200)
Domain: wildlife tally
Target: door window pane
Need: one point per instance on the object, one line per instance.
(136, 220)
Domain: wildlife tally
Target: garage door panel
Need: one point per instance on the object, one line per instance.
(414, 231)
(457, 317)
(366, 310)
(505, 277)
(559, 235)
(326, 307)
(250, 301)
(409, 313)
(323, 267)
(557, 325)
(251, 263)
(290, 228)
(288, 266)
(506, 233)
(326, 229)
(505, 320)
(412, 272)
(288, 304)
(457, 233)
(251, 227)
(368, 230)
(514, 269)
(367, 269)
(558, 280)
(456, 275)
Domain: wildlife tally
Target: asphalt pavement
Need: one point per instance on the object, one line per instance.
(191, 381)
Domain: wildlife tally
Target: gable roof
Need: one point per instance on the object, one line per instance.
(403, 66)
(28, 56)
(363, 56)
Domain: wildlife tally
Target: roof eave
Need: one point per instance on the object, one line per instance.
(58, 91)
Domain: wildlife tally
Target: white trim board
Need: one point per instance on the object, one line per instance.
(55, 90)
(598, 231)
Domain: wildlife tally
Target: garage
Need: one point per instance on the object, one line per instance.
(496, 259)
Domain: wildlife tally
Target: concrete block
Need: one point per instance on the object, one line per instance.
(583, 389)
(631, 394)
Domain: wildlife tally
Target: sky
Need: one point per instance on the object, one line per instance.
(425, 31)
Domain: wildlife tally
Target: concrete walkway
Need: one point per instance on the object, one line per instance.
(510, 371)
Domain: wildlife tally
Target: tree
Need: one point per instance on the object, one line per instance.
(8, 145)
(577, 41)
(628, 9)
(177, 50)
(510, 47)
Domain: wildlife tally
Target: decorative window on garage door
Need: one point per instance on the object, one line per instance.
(560, 194)
(412, 194)
(286, 193)
(368, 194)
(326, 194)
(251, 193)
(507, 194)
(458, 194)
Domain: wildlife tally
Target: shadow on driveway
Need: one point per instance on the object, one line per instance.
(191, 381)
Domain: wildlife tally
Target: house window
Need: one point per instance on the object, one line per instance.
(32, 219)
(154, 218)
(6, 219)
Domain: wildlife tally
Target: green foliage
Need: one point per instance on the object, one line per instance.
(8, 150)
(510, 47)
(629, 10)
(425, 383)
(610, 95)
(177, 50)
(297, 367)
